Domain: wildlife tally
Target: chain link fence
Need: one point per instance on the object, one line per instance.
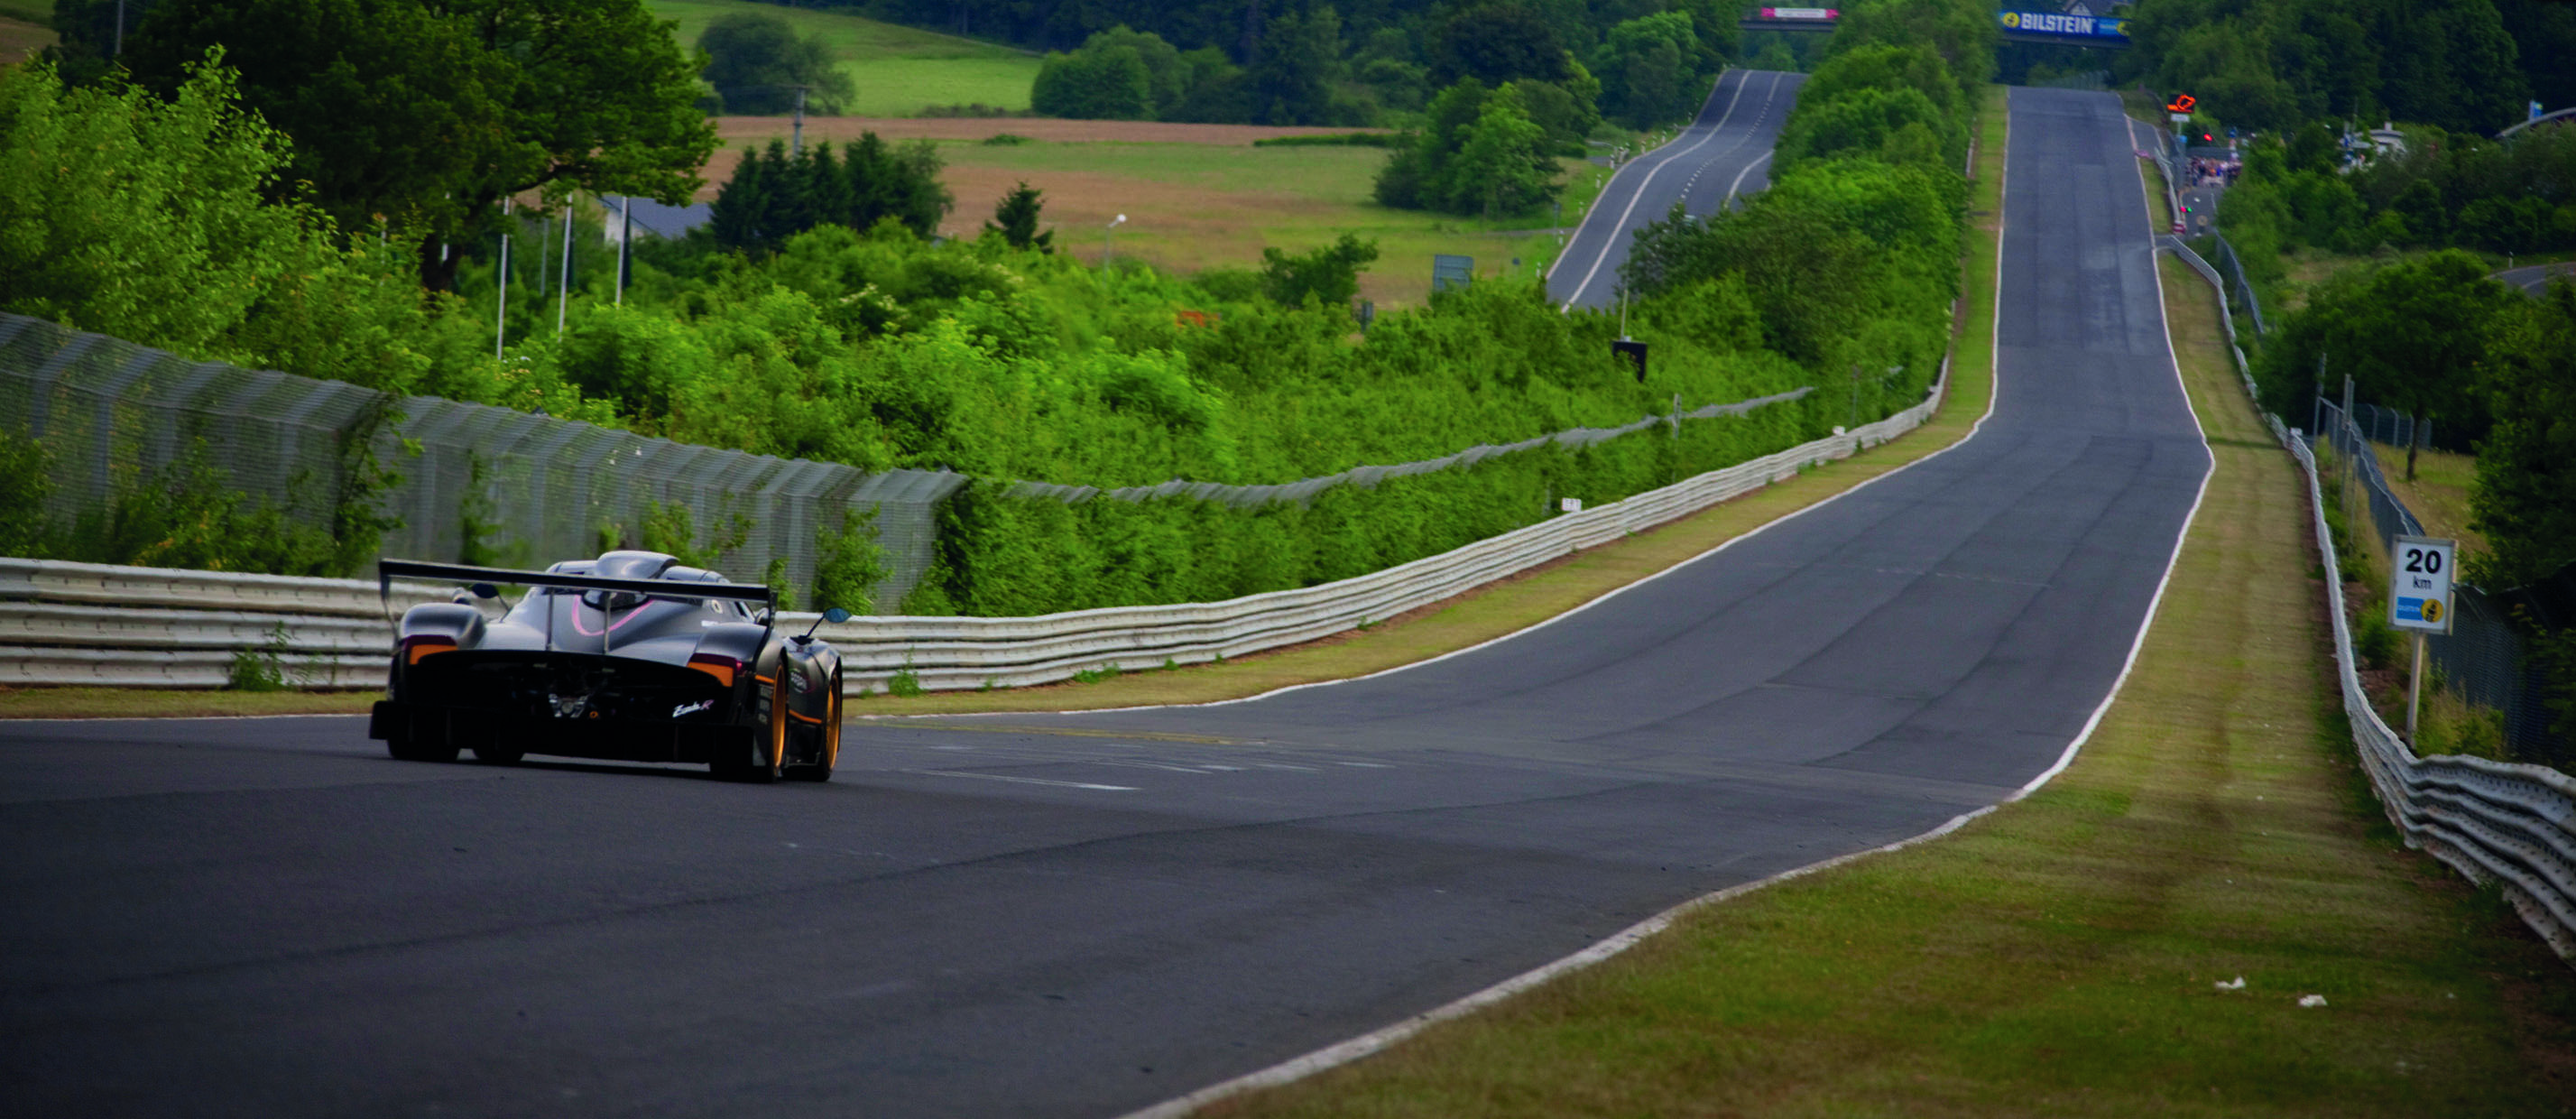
(114, 415)
(2484, 658)
(2240, 291)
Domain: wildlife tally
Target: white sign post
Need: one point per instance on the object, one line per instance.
(2419, 601)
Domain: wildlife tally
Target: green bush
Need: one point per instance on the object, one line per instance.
(1000, 555)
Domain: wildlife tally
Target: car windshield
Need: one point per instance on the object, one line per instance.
(593, 612)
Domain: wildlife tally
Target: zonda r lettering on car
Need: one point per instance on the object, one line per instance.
(632, 656)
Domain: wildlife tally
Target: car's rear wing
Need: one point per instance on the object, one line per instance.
(389, 570)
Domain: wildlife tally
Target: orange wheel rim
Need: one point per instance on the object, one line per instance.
(832, 731)
(777, 729)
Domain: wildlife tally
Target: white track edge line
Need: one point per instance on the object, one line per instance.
(1615, 173)
(1639, 194)
(1733, 187)
(1377, 1040)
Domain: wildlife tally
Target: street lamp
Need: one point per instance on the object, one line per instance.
(1109, 241)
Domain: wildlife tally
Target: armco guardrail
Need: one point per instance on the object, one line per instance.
(2514, 825)
(72, 623)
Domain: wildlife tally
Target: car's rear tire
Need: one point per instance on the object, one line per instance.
(827, 746)
(759, 764)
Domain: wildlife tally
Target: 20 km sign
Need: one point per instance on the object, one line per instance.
(2419, 584)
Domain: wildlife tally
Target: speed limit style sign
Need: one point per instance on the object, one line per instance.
(2419, 583)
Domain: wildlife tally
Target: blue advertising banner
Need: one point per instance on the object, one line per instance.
(2058, 23)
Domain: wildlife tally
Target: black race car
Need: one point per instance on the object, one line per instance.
(631, 657)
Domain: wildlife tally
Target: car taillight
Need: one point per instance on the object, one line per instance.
(414, 648)
(717, 665)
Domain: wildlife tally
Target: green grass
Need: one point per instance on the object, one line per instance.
(38, 12)
(154, 703)
(897, 70)
(2439, 495)
(1196, 206)
(2059, 956)
(19, 41)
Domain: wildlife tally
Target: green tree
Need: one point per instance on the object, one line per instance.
(87, 35)
(1015, 219)
(2417, 335)
(849, 564)
(1504, 166)
(2525, 496)
(1329, 276)
(756, 62)
(1292, 80)
(1495, 42)
(149, 220)
(426, 114)
(773, 196)
(1416, 174)
(1110, 84)
(1649, 70)
(1963, 35)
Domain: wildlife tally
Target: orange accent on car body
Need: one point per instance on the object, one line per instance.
(722, 668)
(419, 647)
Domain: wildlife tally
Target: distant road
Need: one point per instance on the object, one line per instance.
(2534, 278)
(1724, 153)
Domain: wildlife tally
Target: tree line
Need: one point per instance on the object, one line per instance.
(1640, 63)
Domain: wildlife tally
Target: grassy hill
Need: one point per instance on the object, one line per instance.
(898, 70)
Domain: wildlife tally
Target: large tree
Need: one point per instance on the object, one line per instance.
(423, 115)
(757, 62)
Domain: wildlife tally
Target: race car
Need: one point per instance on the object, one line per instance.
(629, 657)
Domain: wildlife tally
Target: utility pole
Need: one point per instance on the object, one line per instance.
(796, 145)
(119, 49)
(625, 237)
(2317, 401)
(501, 305)
(563, 284)
(2350, 467)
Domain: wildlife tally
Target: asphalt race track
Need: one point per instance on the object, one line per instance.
(1726, 152)
(1082, 915)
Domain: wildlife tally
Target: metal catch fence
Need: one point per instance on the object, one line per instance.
(2484, 658)
(114, 414)
(2510, 824)
(79, 623)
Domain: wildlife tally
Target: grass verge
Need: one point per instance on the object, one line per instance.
(897, 71)
(153, 703)
(2061, 955)
(2439, 495)
(21, 39)
(1532, 597)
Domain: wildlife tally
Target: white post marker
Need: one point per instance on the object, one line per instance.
(2419, 601)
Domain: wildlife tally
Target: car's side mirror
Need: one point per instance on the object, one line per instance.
(760, 615)
(485, 590)
(836, 615)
